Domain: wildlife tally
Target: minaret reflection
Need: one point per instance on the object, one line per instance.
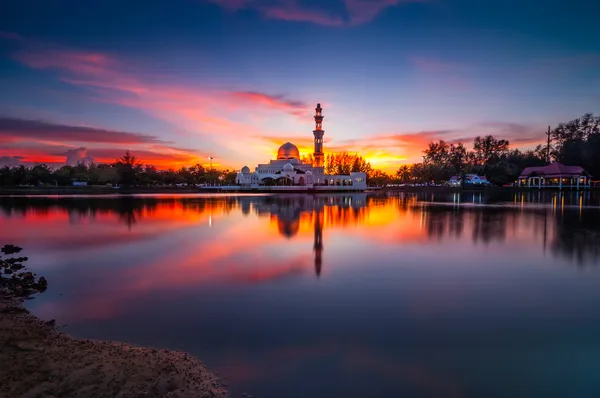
(318, 241)
(291, 212)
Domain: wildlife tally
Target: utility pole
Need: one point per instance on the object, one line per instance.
(548, 149)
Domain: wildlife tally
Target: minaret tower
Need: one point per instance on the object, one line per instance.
(319, 156)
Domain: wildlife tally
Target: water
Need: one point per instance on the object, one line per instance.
(430, 295)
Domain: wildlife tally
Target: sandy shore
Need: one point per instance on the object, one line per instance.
(37, 360)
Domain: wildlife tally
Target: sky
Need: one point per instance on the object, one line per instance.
(179, 81)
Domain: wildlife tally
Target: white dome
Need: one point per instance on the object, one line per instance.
(288, 167)
(245, 170)
(255, 174)
(309, 172)
(295, 161)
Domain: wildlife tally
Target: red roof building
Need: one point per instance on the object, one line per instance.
(555, 175)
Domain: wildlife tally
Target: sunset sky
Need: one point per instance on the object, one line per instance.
(177, 81)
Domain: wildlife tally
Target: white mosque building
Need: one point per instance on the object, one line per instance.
(288, 172)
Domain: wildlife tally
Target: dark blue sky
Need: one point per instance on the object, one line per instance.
(233, 78)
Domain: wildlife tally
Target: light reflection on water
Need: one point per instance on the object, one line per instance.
(436, 294)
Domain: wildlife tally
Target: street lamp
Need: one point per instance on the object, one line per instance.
(211, 169)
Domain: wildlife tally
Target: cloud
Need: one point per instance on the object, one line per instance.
(442, 73)
(10, 35)
(78, 155)
(12, 128)
(32, 141)
(294, 107)
(518, 134)
(201, 110)
(363, 11)
(355, 12)
(10, 161)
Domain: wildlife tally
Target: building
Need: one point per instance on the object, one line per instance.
(555, 175)
(470, 179)
(290, 172)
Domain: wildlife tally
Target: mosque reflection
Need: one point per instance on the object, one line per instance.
(289, 212)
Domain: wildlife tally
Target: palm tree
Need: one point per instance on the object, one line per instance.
(403, 173)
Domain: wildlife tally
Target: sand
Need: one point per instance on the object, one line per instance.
(37, 360)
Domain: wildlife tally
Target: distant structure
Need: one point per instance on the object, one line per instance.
(555, 176)
(470, 179)
(288, 172)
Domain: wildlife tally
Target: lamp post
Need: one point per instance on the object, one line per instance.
(211, 170)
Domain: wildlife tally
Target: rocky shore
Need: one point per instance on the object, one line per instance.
(37, 360)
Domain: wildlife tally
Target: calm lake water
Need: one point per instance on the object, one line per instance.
(429, 295)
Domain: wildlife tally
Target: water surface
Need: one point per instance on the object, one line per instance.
(429, 295)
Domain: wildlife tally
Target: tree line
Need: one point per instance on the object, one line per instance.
(125, 171)
(575, 143)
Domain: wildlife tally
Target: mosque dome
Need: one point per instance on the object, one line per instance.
(295, 161)
(288, 167)
(288, 151)
(309, 172)
(245, 170)
(255, 174)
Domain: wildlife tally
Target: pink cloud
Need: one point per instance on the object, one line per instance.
(294, 107)
(357, 12)
(292, 12)
(12, 129)
(363, 11)
(217, 115)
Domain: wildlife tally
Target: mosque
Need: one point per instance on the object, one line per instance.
(288, 172)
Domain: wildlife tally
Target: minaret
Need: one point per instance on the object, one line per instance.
(319, 155)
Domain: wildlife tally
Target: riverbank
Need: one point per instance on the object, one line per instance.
(94, 190)
(39, 360)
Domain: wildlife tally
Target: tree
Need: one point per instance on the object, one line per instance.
(379, 178)
(577, 143)
(488, 147)
(228, 177)
(41, 174)
(198, 172)
(128, 169)
(404, 173)
(344, 163)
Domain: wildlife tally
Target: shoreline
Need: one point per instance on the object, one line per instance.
(103, 191)
(39, 360)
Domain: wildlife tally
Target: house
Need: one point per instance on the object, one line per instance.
(470, 179)
(554, 175)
